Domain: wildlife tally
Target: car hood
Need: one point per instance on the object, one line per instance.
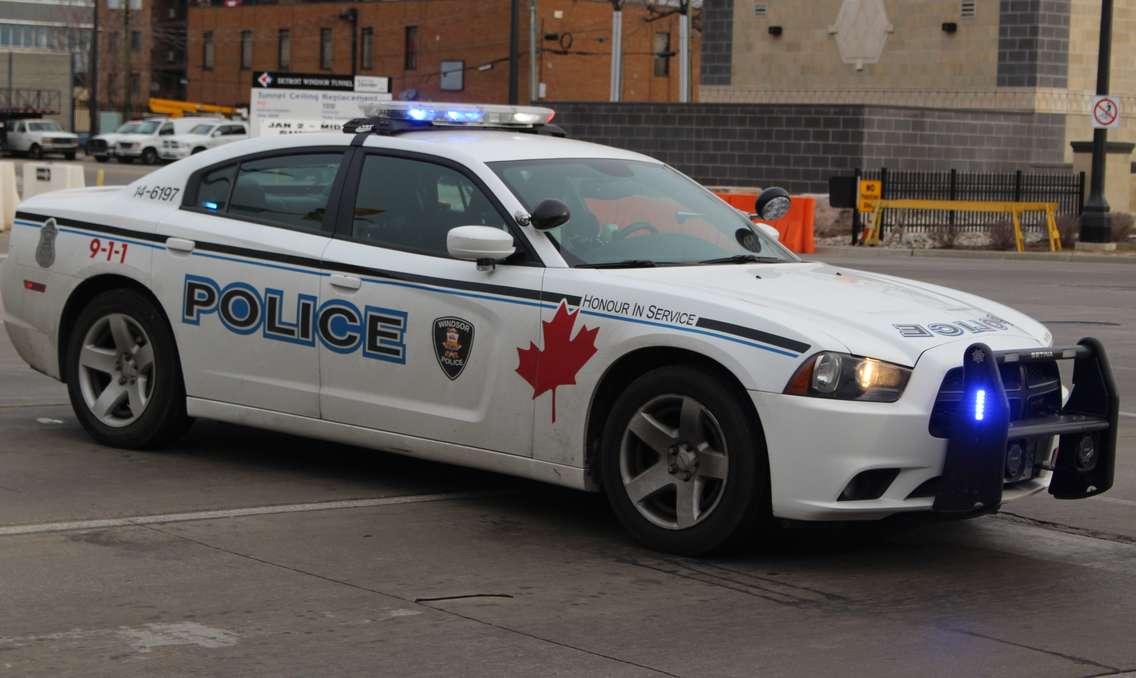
(863, 313)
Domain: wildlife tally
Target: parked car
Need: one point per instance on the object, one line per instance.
(203, 136)
(102, 146)
(38, 138)
(453, 282)
(144, 142)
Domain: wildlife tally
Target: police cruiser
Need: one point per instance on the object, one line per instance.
(462, 284)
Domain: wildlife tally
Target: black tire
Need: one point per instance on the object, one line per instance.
(742, 507)
(197, 150)
(163, 419)
(149, 156)
(35, 152)
(69, 155)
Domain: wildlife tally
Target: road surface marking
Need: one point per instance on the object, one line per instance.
(161, 519)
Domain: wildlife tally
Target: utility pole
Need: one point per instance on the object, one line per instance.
(684, 51)
(127, 78)
(514, 47)
(1095, 222)
(616, 49)
(93, 75)
(534, 84)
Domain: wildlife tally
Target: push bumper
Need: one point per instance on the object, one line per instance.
(982, 433)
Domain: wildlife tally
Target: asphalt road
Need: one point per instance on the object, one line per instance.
(244, 552)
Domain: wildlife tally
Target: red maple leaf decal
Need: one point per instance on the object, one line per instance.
(562, 356)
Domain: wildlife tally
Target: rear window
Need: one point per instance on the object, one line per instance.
(213, 189)
(289, 191)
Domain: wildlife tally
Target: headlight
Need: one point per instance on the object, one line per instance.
(849, 377)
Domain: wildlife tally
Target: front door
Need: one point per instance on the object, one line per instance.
(412, 341)
(240, 279)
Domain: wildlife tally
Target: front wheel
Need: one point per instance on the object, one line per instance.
(684, 463)
(122, 370)
(35, 152)
(150, 156)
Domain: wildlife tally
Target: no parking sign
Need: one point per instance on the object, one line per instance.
(1106, 112)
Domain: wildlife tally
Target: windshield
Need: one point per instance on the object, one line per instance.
(44, 126)
(635, 213)
(202, 129)
(128, 128)
(146, 127)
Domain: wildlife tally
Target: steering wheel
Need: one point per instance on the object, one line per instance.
(626, 231)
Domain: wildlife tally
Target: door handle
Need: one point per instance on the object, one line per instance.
(345, 282)
(180, 245)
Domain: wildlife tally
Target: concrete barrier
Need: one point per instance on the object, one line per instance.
(9, 198)
(41, 177)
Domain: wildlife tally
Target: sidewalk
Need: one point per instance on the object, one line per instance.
(1064, 256)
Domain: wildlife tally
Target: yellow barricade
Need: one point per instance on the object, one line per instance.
(1014, 209)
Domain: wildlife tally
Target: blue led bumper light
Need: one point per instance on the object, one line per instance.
(980, 404)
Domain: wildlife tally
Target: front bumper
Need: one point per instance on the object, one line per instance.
(817, 447)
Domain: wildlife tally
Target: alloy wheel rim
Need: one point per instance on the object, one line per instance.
(673, 462)
(116, 370)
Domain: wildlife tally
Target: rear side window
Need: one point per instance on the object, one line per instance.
(213, 190)
(289, 191)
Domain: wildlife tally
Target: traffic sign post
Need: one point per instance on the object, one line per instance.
(1105, 112)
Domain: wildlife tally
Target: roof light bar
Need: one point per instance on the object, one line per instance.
(457, 114)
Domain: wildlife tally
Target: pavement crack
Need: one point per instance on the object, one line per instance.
(1053, 653)
(442, 610)
(462, 597)
(1067, 529)
(1118, 672)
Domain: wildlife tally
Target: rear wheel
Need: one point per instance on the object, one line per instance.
(684, 464)
(122, 372)
(35, 152)
(150, 156)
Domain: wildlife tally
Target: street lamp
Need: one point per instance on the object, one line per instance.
(351, 16)
(1095, 223)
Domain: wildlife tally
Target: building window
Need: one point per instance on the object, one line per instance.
(368, 48)
(662, 51)
(246, 49)
(135, 40)
(325, 49)
(284, 49)
(135, 87)
(207, 50)
(410, 53)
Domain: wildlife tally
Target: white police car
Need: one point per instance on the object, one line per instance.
(455, 283)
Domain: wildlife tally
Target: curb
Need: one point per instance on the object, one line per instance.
(1064, 256)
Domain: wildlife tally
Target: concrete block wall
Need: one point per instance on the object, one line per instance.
(801, 146)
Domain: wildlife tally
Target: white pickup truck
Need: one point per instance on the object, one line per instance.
(38, 138)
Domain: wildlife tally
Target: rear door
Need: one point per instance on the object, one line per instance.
(241, 277)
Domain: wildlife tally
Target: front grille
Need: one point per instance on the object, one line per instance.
(1033, 391)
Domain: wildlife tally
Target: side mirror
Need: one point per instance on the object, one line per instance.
(483, 244)
(549, 214)
(769, 230)
(772, 204)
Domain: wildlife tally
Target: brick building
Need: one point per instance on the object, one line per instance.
(803, 90)
(413, 41)
(141, 54)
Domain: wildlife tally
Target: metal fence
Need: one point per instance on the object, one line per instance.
(1067, 189)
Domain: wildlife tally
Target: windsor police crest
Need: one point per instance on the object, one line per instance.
(45, 250)
(453, 341)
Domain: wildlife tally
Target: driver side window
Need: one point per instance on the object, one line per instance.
(411, 205)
